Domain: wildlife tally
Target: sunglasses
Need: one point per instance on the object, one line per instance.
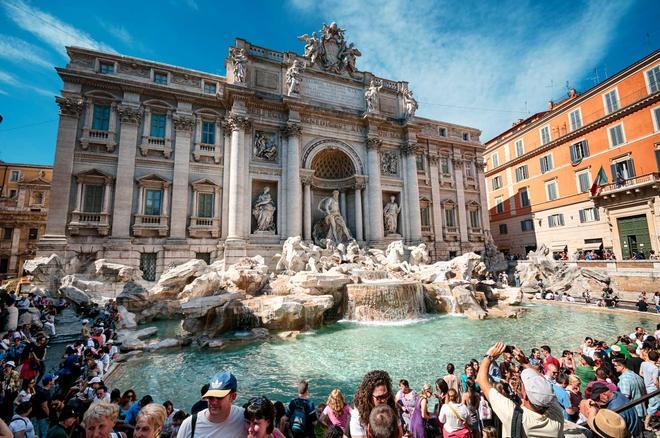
(381, 398)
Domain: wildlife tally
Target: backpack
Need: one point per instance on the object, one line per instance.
(485, 412)
(298, 419)
(516, 423)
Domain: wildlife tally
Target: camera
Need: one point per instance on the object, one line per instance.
(509, 349)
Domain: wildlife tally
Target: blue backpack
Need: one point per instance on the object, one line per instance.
(298, 419)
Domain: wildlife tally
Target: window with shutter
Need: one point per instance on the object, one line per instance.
(611, 102)
(93, 202)
(653, 77)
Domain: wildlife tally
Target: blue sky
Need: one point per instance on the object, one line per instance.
(478, 63)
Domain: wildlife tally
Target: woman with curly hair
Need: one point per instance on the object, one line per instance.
(375, 389)
(336, 412)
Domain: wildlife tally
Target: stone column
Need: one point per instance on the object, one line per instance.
(457, 162)
(15, 242)
(307, 207)
(89, 113)
(342, 204)
(140, 206)
(183, 124)
(412, 194)
(106, 196)
(226, 136)
(236, 180)
(294, 191)
(435, 195)
(166, 200)
(483, 196)
(130, 117)
(216, 203)
(359, 186)
(58, 210)
(79, 198)
(375, 231)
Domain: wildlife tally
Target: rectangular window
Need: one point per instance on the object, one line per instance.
(148, 265)
(504, 229)
(444, 165)
(210, 88)
(12, 193)
(450, 219)
(160, 78)
(152, 202)
(584, 181)
(524, 198)
(15, 175)
(576, 119)
(497, 182)
(469, 169)
(499, 205)
(622, 170)
(546, 163)
(33, 234)
(545, 135)
(425, 216)
(551, 188)
(93, 202)
(101, 119)
(7, 233)
(474, 218)
(496, 160)
(555, 220)
(205, 205)
(653, 77)
(206, 256)
(579, 151)
(589, 215)
(208, 132)
(520, 148)
(106, 67)
(656, 118)
(527, 225)
(616, 135)
(419, 161)
(521, 173)
(611, 102)
(158, 123)
(466, 136)
(442, 132)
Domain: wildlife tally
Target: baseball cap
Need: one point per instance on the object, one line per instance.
(597, 389)
(68, 412)
(95, 380)
(48, 378)
(539, 391)
(221, 385)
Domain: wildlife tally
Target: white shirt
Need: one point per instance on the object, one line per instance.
(233, 426)
(450, 420)
(550, 425)
(355, 425)
(19, 423)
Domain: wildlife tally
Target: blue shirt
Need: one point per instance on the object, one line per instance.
(132, 412)
(633, 422)
(562, 397)
(632, 386)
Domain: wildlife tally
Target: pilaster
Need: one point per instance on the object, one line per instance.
(412, 193)
(457, 162)
(375, 232)
(183, 125)
(292, 132)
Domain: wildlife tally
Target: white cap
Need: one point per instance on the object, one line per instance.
(10, 363)
(538, 389)
(95, 380)
(85, 321)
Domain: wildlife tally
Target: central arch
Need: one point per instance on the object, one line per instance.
(332, 164)
(323, 146)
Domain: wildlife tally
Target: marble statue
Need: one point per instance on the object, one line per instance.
(371, 95)
(294, 77)
(390, 164)
(264, 147)
(239, 59)
(264, 211)
(337, 231)
(330, 51)
(410, 104)
(390, 216)
(349, 57)
(419, 255)
(312, 47)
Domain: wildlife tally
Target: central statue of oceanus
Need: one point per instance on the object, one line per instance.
(333, 226)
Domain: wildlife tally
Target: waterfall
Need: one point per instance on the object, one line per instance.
(385, 300)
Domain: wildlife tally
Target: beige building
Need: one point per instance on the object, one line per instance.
(156, 164)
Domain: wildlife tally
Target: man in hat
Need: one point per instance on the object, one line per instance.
(602, 397)
(540, 415)
(67, 421)
(222, 417)
(608, 424)
(11, 379)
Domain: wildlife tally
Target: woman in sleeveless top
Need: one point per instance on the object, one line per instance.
(471, 401)
(455, 418)
(406, 400)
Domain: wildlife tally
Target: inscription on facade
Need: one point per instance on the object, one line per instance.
(266, 79)
(388, 105)
(334, 124)
(342, 95)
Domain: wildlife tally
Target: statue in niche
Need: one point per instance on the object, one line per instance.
(265, 147)
(264, 212)
(332, 227)
(294, 77)
(410, 104)
(371, 95)
(390, 215)
(390, 164)
(239, 59)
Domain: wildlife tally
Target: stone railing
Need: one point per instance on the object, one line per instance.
(204, 227)
(207, 150)
(106, 138)
(159, 144)
(89, 221)
(146, 225)
(631, 183)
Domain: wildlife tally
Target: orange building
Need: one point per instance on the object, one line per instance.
(539, 172)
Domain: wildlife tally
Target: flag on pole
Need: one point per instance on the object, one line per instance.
(599, 181)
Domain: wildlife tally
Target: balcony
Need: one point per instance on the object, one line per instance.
(150, 226)
(158, 144)
(475, 234)
(207, 150)
(450, 233)
(204, 227)
(84, 223)
(94, 136)
(630, 185)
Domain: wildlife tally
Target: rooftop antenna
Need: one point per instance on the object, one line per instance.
(568, 89)
(595, 77)
(551, 87)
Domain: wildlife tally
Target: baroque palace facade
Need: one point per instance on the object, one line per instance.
(156, 164)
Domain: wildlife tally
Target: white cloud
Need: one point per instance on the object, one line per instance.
(50, 29)
(118, 32)
(491, 57)
(8, 79)
(192, 4)
(19, 51)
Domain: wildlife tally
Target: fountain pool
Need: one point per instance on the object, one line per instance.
(339, 355)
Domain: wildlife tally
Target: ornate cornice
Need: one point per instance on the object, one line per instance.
(236, 122)
(183, 122)
(457, 160)
(306, 180)
(433, 159)
(292, 129)
(408, 148)
(129, 113)
(374, 143)
(70, 106)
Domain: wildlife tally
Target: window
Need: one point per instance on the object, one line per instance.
(33, 234)
(15, 175)
(425, 215)
(450, 217)
(555, 220)
(589, 215)
(499, 204)
(101, 119)
(546, 163)
(579, 151)
(527, 225)
(37, 198)
(106, 67)
(576, 119)
(524, 197)
(521, 173)
(442, 132)
(611, 101)
(474, 219)
(551, 189)
(616, 135)
(148, 265)
(205, 205)
(158, 123)
(584, 181)
(7, 233)
(208, 132)
(497, 182)
(419, 161)
(656, 118)
(653, 77)
(444, 165)
(93, 200)
(622, 170)
(152, 202)
(466, 136)
(210, 88)
(469, 169)
(12, 193)
(160, 77)
(206, 256)
(520, 148)
(504, 229)
(545, 135)
(496, 160)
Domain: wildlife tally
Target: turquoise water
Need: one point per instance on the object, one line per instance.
(339, 355)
